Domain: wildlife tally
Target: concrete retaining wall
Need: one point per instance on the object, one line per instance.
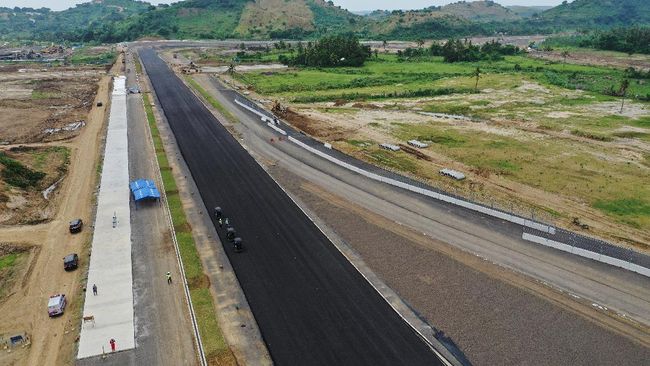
(587, 254)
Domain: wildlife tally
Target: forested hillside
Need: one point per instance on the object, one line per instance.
(29, 23)
(602, 13)
(125, 20)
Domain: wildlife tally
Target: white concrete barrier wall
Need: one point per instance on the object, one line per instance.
(247, 107)
(587, 254)
(426, 192)
(276, 128)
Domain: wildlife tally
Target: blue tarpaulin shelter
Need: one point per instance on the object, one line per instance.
(143, 189)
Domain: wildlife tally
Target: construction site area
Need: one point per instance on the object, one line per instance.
(52, 115)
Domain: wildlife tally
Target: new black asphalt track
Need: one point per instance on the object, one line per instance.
(312, 306)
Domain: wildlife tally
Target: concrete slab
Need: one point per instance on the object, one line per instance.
(110, 263)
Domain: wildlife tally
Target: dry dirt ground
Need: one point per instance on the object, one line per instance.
(375, 124)
(43, 104)
(34, 204)
(600, 58)
(24, 309)
(473, 302)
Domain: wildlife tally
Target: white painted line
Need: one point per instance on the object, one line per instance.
(110, 263)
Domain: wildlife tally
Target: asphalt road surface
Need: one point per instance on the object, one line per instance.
(311, 304)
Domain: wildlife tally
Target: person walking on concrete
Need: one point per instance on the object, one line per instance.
(220, 222)
(94, 290)
(169, 278)
(113, 344)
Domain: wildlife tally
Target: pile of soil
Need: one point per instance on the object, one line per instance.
(312, 127)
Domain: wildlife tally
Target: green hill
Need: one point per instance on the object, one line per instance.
(480, 11)
(528, 11)
(603, 13)
(257, 19)
(29, 23)
(124, 20)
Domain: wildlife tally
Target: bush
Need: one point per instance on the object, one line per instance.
(333, 51)
(464, 51)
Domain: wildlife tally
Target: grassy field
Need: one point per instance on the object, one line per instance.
(93, 56)
(386, 77)
(8, 266)
(550, 126)
(214, 344)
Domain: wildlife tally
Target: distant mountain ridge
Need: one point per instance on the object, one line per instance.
(118, 20)
(480, 11)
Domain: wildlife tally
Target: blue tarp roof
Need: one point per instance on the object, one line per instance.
(144, 189)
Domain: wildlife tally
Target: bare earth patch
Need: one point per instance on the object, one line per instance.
(29, 205)
(33, 101)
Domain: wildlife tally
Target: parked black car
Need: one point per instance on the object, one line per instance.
(76, 225)
(70, 262)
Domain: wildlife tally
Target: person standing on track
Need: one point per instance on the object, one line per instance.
(169, 278)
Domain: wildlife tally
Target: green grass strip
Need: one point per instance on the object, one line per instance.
(210, 99)
(8, 261)
(214, 344)
(138, 65)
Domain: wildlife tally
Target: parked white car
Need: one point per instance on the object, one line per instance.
(56, 305)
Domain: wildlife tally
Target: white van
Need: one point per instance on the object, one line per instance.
(56, 305)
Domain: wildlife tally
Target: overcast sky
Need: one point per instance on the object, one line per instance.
(353, 5)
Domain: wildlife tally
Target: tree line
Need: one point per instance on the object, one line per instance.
(629, 40)
(331, 51)
(456, 50)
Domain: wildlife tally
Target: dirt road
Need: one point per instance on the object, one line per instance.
(53, 340)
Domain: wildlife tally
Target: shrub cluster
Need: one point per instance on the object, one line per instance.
(456, 50)
(18, 175)
(332, 51)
